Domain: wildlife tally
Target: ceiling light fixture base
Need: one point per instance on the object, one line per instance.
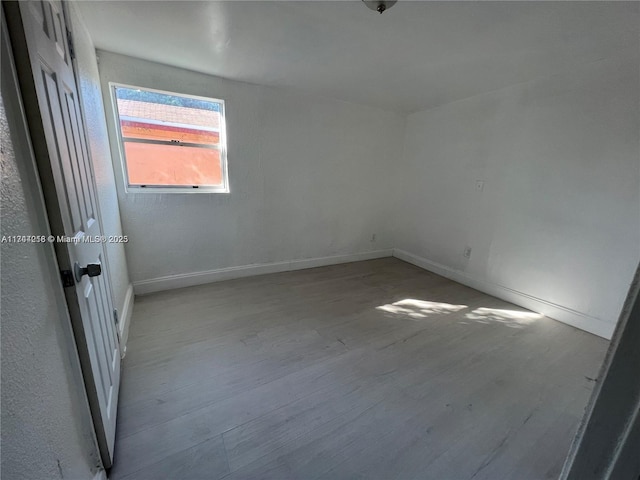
(380, 6)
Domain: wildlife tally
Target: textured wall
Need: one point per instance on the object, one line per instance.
(46, 426)
(559, 216)
(309, 177)
(93, 109)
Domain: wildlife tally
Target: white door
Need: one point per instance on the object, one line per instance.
(60, 143)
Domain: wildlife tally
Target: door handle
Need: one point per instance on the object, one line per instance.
(92, 270)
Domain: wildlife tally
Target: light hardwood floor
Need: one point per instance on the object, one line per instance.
(369, 370)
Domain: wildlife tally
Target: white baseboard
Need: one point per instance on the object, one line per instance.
(563, 314)
(198, 278)
(125, 320)
(101, 475)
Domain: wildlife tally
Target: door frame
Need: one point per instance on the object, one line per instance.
(52, 210)
(605, 446)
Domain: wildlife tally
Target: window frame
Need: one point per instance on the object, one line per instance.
(129, 188)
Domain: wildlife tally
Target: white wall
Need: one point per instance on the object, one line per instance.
(46, 424)
(309, 178)
(558, 221)
(98, 140)
(555, 228)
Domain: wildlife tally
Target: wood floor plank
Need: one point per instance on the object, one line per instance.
(373, 369)
(204, 461)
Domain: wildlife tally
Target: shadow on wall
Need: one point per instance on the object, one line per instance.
(419, 309)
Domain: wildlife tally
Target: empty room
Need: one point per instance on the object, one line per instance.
(320, 240)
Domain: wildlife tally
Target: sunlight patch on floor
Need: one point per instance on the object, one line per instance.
(420, 308)
(510, 318)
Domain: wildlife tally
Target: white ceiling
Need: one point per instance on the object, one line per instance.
(414, 56)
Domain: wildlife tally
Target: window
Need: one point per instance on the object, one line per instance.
(171, 142)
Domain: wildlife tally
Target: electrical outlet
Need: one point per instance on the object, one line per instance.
(467, 252)
(373, 238)
(479, 185)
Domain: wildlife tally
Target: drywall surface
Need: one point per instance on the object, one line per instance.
(98, 140)
(309, 177)
(417, 55)
(558, 216)
(46, 424)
